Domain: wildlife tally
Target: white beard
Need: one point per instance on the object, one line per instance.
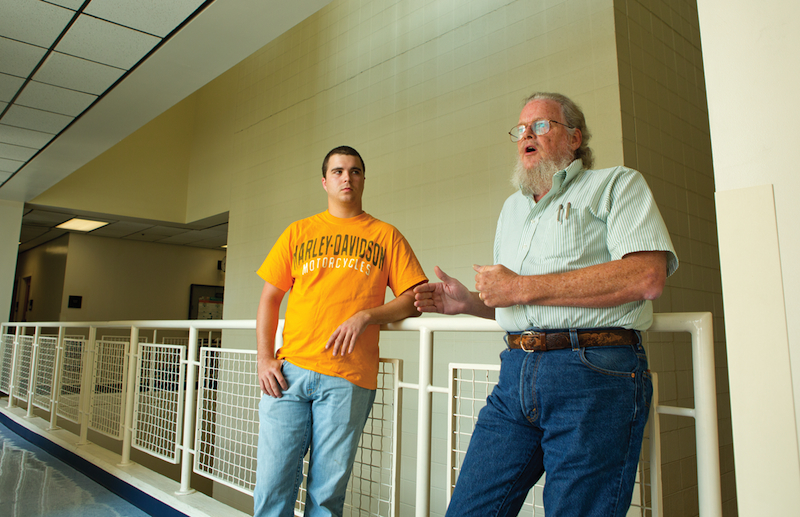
(537, 180)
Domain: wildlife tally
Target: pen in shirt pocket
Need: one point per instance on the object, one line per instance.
(566, 212)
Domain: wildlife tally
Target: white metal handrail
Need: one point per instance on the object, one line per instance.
(699, 325)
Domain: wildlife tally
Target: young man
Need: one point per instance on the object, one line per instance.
(579, 255)
(319, 387)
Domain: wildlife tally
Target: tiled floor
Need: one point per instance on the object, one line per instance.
(34, 483)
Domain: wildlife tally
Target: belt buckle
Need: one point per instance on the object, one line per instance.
(539, 341)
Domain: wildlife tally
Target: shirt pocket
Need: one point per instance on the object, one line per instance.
(564, 238)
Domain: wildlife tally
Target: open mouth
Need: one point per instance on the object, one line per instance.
(530, 149)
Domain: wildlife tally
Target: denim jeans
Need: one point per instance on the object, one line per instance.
(577, 414)
(318, 411)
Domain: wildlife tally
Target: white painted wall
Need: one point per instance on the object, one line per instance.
(10, 221)
(750, 53)
(123, 279)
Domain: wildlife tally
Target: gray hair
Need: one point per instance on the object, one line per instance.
(574, 117)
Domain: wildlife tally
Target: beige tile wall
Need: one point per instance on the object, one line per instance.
(666, 136)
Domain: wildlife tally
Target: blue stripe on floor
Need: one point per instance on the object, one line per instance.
(129, 501)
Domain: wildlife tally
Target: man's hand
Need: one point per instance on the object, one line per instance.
(498, 286)
(343, 339)
(270, 377)
(446, 297)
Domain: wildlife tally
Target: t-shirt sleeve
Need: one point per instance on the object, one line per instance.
(405, 271)
(277, 267)
(634, 221)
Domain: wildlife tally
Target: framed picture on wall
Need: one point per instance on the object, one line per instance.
(205, 302)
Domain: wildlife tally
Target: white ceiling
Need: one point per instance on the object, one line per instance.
(58, 58)
(78, 76)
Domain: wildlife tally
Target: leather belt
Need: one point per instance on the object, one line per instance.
(532, 341)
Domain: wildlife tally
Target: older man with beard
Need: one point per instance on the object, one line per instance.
(579, 255)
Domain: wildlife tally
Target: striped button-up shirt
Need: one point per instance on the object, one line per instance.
(588, 217)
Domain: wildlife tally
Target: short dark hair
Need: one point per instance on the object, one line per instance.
(574, 117)
(346, 150)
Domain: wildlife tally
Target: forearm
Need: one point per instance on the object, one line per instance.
(267, 321)
(400, 308)
(265, 336)
(636, 277)
(475, 307)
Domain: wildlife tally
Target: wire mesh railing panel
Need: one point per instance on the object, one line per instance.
(69, 390)
(115, 339)
(45, 371)
(470, 386)
(175, 340)
(641, 502)
(158, 404)
(371, 490)
(7, 357)
(226, 425)
(108, 388)
(24, 366)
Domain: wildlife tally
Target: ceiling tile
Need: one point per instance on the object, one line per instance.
(188, 237)
(152, 16)
(18, 58)
(166, 231)
(77, 74)
(9, 165)
(104, 42)
(4, 176)
(120, 229)
(38, 120)
(28, 233)
(15, 152)
(55, 99)
(24, 137)
(45, 217)
(69, 4)
(9, 85)
(144, 236)
(32, 21)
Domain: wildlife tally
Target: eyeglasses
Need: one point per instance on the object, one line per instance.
(538, 127)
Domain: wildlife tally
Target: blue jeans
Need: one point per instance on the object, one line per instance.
(318, 411)
(578, 414)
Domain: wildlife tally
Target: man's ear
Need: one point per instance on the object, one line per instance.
(576, 138)
(324, 184)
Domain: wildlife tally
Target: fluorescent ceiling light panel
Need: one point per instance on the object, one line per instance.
(81, 225)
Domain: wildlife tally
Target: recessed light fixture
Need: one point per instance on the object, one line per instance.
(81, 225)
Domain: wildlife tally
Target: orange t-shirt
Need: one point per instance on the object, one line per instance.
(335, 268)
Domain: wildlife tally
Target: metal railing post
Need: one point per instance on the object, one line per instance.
(709, 488)
(33, 370)
(12, 375)
(423, 500)
(87, 385)
(55, 385)
(701, 326)
(133, 368)
(187, 450)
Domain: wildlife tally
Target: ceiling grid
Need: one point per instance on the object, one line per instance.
(58, 58)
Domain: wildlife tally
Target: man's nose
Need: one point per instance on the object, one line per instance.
(528, 133)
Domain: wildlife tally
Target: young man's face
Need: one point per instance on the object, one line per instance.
(344, 179)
